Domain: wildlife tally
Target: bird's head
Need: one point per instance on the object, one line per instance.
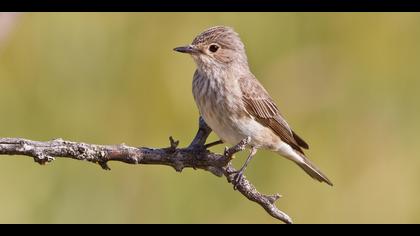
(216, 48)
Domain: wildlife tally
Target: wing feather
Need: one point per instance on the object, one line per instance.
(260, 105)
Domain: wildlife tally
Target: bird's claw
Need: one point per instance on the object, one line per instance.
(228, 153)
(231, 172)
(237, 179)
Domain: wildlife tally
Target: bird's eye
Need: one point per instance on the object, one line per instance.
(213, 48)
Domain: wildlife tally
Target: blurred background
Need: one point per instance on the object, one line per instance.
(349, 83)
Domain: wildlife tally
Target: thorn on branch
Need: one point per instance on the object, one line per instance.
(209, 145)
(178, 166)
(104, 165)
(229, 152)
(273, 198)
(103, 160)
(42, 159)
(58, 140)
(174, 144)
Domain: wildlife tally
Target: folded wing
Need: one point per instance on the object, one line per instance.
(260, 105)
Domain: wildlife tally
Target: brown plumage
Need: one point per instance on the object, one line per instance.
(260, 105)
(235, 104)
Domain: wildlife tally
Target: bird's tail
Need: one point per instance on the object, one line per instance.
(304, 163)
(312, 170)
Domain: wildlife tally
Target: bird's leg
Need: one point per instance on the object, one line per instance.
(239, 175)
(209, 145)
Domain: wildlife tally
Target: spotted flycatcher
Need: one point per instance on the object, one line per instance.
(234, 103)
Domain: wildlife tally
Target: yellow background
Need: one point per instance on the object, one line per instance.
(349, 83)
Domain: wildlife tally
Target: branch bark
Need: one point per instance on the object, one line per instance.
(194, 156)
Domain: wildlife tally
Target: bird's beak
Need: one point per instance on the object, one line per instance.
(186, 49)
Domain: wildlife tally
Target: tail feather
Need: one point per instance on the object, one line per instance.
(312, 170)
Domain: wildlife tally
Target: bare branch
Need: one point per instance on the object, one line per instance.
(195, 156)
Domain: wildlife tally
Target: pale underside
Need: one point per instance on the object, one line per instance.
(235, 105)
(238, 108)
(226, 109)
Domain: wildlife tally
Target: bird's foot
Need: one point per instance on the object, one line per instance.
(227, 153)
(237, 179)
(238, 175)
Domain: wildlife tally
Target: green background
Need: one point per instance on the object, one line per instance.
(349, 83)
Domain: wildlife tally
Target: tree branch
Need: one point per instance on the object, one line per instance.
(194, 156)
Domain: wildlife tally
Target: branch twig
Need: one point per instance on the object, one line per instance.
(194, 156)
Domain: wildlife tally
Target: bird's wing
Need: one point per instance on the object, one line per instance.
(260, 105)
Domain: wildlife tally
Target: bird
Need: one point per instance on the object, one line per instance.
(236, 106)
